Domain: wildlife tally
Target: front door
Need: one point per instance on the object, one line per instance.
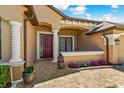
(65, 44)
(46, 46)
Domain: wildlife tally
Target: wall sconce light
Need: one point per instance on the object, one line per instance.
(117, 41)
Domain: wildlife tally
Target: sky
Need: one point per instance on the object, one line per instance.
(113, 13)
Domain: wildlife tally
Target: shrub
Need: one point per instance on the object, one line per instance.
(73, 65)
(103, 62)
(81, 65)
(4, 75)
(94, 63)
(29, 69)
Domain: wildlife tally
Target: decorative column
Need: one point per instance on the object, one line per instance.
(16, 61)
(55, 44)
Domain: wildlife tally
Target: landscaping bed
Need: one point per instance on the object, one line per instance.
(91, 65)
(86, 64)
(4, 76)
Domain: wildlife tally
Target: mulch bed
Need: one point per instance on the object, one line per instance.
(8, 85)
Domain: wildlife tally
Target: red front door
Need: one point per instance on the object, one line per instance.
(46, 46)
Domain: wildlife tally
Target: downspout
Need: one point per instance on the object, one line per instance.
(25, 38)
(107, 47)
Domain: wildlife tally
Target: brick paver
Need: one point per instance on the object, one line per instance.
(49, 76)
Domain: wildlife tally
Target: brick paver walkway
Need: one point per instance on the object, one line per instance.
(48, 76)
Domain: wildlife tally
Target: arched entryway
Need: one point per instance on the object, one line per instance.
(69, 37)
(44, 41)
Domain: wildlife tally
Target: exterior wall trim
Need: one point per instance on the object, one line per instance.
(38, 44)
(73, 45)
(82, 53)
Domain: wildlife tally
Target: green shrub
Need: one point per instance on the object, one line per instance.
(4, 75)
(29, 69)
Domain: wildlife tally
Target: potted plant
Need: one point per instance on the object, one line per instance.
(28, 74)
(60, 62)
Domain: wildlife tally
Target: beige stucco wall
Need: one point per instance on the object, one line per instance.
(5, 35)
(121, 50)
(117, 50)
(82, 59)
(31, 43)
(43, 28)
(93, 42)
(11, 12)
(14, 13)
(45, 14)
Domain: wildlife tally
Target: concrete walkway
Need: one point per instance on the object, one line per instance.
(48, 76)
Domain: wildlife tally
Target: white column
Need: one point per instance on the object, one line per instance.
(15, 40)
(55, 44)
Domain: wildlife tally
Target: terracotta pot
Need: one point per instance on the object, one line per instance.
(28, 78)
(61, 65)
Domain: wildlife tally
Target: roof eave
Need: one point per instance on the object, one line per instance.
(57, 11)
(90, 33)
(31, 12)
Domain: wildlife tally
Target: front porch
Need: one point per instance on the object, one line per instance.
(47, 75)
(70, 40)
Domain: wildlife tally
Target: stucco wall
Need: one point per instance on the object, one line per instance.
(11, 12)
(43, 28)
(121, 50)
(91, 43)
(81, 59)
(14, 13)
(45, 14)
(5, 35)
(31, 43)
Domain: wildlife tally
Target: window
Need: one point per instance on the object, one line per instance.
(65, 44)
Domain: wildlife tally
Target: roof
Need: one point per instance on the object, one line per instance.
(81, 19)
(105, 25)
(67, 17)
(101, 25)
(57, 11)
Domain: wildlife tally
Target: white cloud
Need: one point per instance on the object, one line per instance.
(88, 15)
(80, 9)
(110, 17)
(115, 6)
(62, 7)
(114, 11)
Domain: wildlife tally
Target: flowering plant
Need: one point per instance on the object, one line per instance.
(103, 62)
(73, 65)
(94, 63)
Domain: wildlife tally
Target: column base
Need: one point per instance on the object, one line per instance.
(17, 70)
(14, 83)
(54, 60)
(17, 61)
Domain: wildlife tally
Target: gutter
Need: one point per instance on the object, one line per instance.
(25, 38)
(107, 47)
